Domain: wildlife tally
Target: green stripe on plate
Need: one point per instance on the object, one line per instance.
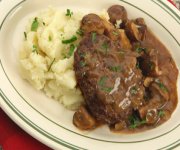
(166, 11)
(160, 1)
(34, 126)
(169, 145)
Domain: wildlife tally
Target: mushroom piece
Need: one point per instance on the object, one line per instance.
(148, 81)
(117, 13)
(124, 41)
(159, 88)
(83, 120)
(92, 23)
(111, 31)
(140, 22)
(141, 25)
(159, 98)
(120, 126)
(149, 63)
(132, 31)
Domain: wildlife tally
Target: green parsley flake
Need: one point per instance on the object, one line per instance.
(35, 49)
(137, 65)
(151, 65)
(72, 39)
(93, 36)
(35, 24)
(71, 50)
(105, 47)
(82, 63)
(115, 68)
(161, 113)
(81, 54)
(50, 66)
(115, 33)
(135, 122)
(106, 89)
(50, 38)
(25, 35)
(80, 32)
(161, 85)
(140, 50)
(134, 90)
(69, 13)
(102, 81)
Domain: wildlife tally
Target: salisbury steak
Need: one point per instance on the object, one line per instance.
(108, 78)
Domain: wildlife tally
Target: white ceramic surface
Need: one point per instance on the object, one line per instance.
(46, 119)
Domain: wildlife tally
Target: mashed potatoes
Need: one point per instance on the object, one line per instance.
(46, 62)
(46, 57)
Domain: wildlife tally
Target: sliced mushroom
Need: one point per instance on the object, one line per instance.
(111, 31)
(156, 88)
(116, 13)
(120, 126)
(92, 23)
(149, 63)
(148, 81)
(83, 120)
(125, 43)
(141, 25)
(140, 22)
(132, 31)
(152, 116)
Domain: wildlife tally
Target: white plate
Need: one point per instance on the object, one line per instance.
(46, 119)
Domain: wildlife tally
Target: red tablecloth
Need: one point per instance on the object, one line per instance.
(14, 138)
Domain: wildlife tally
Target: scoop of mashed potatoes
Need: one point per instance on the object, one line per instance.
(46, 61)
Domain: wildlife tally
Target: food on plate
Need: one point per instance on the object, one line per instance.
(109, 68)
(46, 57)
(126, 75)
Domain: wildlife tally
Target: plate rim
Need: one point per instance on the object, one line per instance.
(5, 97)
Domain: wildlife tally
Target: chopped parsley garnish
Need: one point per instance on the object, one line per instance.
(115, 68)
(102, 81)
(115, 33)
(105, 47)
(161, 113)
(141, 49)
(93, 37)
(134, 90)
(80, 32)
(161, 85)
(135, 122)
(81, 54)
(35, 49)
(50, 38)
(25, 35)
(72, 39)
(71, 50)
(35, 24)
(106, 89)
(137, 65)
(151, 65)
(69, 13)
(82, 63)
(51, 64)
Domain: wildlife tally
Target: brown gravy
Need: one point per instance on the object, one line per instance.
(126, 75)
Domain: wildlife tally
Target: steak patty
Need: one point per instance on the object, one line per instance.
(110, 82)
